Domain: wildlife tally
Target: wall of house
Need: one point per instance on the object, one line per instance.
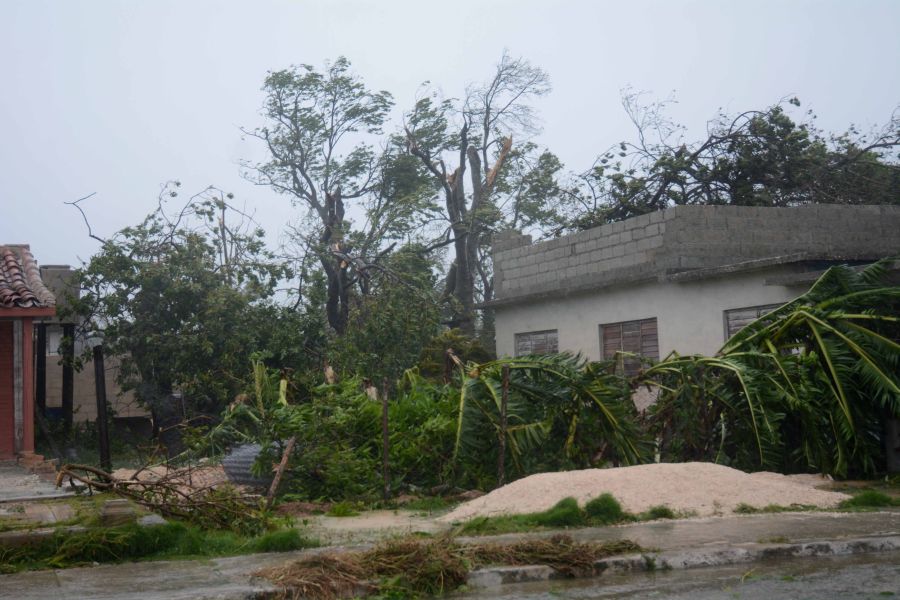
(688, 237)
(690, 314)
(85, 394)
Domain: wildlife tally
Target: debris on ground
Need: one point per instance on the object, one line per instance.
(412, 566)
(191, 494)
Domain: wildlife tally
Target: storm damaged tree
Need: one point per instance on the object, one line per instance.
(476, 136)
(180, 299)
(755, 158)
(316, 132)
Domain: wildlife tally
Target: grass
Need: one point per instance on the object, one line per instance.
(869, 499)
(862, 500)
(410, 567)
(600, 511)
(428, 504)
(343, 509)
(134, 542)
(746, 509)
(604, 509)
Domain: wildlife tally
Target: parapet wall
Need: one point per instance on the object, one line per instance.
(683, 238)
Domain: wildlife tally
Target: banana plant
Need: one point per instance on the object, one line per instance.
(807, 386)
(562, 411)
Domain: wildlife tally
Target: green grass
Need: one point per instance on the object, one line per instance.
(343, 509)
(133, 542)
(598, 512)
(658, 512)
(428, 504)
(746, 509)
(869, 499)
(604, 509)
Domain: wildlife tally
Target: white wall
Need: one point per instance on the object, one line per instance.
(689, 315)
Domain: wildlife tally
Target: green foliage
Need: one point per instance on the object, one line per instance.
(658, 512)
(181, 300)
(604, 509)
(283, 540)
(870, 499)
(565, 513)
(807, 386)
(338, 431)
(343, 509)
(562, 412)
(434, 362)
(135, 542)
(756, 158)
(601, 511)
(392, 322)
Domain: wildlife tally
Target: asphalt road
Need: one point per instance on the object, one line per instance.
(870, 577)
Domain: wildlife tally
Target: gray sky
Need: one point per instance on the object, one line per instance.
(118, 97)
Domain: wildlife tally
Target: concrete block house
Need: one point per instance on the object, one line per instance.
(24, 299)
(682, 279)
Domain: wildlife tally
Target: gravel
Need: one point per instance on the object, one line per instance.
(697, 488)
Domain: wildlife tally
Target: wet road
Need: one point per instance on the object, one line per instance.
(872, 576)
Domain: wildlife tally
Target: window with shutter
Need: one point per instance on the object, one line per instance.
(738, 318)
(636, 337)
(537, 342)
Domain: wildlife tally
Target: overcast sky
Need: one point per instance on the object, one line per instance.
(118, 97)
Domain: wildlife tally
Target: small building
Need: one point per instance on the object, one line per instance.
(681, 279)
(23, 300)
(66, 393)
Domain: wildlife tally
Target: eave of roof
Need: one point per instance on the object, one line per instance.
(21, 287)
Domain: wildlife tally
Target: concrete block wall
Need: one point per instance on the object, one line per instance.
(689, 237)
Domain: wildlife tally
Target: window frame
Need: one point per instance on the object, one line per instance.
(629, 370)
(759, 315)
(517, 336)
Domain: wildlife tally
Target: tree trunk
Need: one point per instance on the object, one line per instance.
(337, 306)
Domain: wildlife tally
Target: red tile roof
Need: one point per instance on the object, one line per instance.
(20, 280)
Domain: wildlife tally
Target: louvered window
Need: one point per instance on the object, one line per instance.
(738, 318)
(637, 337)
(537, 342)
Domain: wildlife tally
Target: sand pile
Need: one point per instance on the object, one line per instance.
(703, 488)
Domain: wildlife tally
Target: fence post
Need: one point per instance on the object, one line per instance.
(501, 458)
(385, 473)
(102, 424)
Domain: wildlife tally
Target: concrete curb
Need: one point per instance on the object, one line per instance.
(689, 559)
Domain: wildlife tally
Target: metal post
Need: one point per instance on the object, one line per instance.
(385, 473)
(501, 450)
(102, 429)
(68, 377)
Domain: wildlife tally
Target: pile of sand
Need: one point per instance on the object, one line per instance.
(701, 488)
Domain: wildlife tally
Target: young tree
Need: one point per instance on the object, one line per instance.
(180, 299)
(317, 128)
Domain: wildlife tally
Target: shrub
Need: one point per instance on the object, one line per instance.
(605, 509)
(869, 498)
(565, 513)
(284, 540)
(343, 509)
(659, 512)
